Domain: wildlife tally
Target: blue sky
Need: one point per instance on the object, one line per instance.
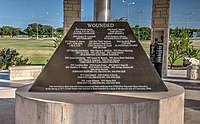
(19, 13)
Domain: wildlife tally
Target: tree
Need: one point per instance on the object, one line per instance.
(6, 30)
(145, 32)
(31, 30)
(176, 32)
(176, 51)
(1, 32)
(46, 30)
(15, 31)
(34, 28)
(135, 30)
(180, 46)
(60, 31)
(9, 31)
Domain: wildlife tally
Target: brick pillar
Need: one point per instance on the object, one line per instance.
(72, 12)
(160, 26)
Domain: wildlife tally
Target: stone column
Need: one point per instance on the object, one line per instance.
(160, 26)
(72, 12)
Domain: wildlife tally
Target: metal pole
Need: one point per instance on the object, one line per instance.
(128, 11)
(102, 10)
(187, 14)
(138, 27)
(52, 33)
(139, 23)
(37, 31)
(128, 6)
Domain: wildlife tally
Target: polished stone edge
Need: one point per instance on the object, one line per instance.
(174, 90)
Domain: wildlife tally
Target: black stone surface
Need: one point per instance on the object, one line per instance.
(99, 56)
(158, 53)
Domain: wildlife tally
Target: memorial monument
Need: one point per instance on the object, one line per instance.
(99, 74)
(99, 56)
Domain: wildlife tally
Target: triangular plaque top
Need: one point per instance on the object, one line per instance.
(99, 56)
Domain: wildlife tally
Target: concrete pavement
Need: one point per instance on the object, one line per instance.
(192, 99)
(192, 94)
(7, 97)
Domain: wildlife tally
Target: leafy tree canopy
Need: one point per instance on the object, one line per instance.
(9, 31)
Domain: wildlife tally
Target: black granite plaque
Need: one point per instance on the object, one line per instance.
(152, 53)
(158, 53)
(99, 56)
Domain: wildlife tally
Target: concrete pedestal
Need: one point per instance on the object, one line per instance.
(24, 72)
(193, 72)
(100, 108)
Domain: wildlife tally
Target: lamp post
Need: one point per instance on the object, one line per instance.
(37, 36)
(52, 17)
(187, 15)
(37, 31)
(47, 13)
(128, 3)
(139, 12)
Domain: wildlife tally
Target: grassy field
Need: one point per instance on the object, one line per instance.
(38, 51)
(146, 46)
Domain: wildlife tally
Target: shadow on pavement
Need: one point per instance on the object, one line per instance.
(13, 85)
(184, 82)
(193, 104)
(170, 77)
(4, 75)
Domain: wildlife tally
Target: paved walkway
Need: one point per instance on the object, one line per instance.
(7, 97)
(192, 99)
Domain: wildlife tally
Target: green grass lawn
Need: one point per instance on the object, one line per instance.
(146, 46)
(38, 51)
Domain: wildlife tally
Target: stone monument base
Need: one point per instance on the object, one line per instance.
(100, 108)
